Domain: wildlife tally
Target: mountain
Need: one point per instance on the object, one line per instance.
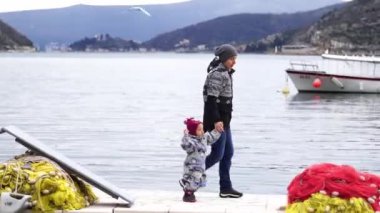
(10, 39)
(237, 29)
(67, 25)
(104, 43)
(354, 28)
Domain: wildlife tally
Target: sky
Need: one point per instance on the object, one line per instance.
(21, 5)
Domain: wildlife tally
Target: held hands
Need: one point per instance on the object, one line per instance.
(219, 126)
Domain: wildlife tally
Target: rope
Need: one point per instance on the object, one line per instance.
(18, 175)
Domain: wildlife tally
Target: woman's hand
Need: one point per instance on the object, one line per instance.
(219, 126)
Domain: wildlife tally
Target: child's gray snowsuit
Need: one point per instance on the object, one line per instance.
(194, 166)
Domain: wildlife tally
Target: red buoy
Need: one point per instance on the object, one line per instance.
(317, 83)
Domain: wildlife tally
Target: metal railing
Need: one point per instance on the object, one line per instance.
(305, 66)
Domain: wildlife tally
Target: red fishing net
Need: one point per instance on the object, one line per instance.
(335, 180)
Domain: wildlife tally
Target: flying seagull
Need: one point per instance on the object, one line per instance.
(140, 9)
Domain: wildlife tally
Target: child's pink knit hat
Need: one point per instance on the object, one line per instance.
(192, 125)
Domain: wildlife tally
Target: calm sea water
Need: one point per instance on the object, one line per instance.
(121, 116)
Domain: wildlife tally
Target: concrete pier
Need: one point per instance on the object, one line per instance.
(171, 202)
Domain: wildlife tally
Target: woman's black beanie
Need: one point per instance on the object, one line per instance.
(222, 53)
(225, 51)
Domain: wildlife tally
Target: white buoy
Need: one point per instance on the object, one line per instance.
(337, 82)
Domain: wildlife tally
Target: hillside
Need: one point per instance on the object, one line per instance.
(351, 29)
(104, 43)
(238, 29)
(10, 39)
(354, 28)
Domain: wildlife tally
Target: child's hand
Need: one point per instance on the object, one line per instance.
(219, 126)
(185, 131)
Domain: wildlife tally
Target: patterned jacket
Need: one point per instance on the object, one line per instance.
(196, 148)
(218, 94)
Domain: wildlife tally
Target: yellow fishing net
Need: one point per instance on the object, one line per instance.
(49, 185)
(319, 203)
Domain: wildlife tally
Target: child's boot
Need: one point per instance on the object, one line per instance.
(189, 196)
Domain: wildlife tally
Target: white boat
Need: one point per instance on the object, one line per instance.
(345, 74)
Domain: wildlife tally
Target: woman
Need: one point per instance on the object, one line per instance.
(217, 93)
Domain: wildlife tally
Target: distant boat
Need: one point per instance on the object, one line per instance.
(353, 74)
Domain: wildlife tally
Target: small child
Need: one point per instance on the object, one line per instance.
(195, 142)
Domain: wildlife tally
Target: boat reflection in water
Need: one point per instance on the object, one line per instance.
(336, 97)
(337, 106)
